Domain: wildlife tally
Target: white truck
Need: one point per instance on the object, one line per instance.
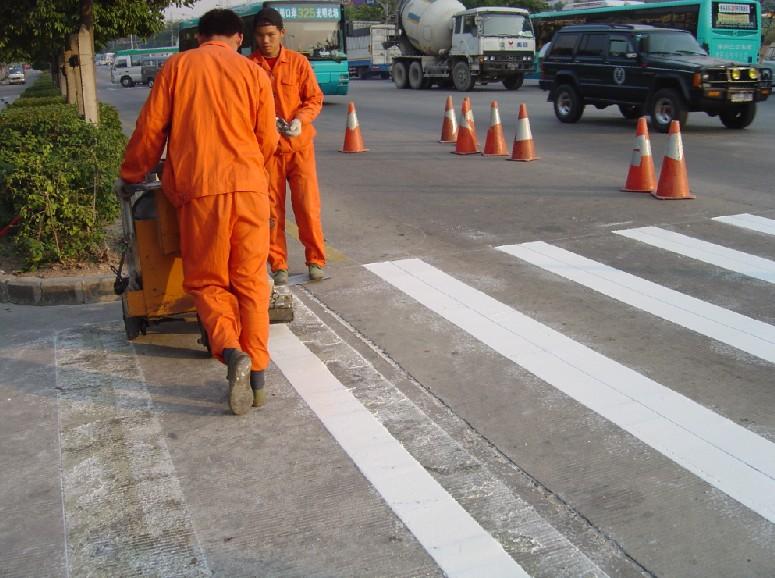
(366, 52)
(443, 43)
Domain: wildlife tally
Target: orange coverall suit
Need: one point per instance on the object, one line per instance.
(214, 109)
(297, 95)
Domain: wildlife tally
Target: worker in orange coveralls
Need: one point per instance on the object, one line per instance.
(214, 109)
(298, 100)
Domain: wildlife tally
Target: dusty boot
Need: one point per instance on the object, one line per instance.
(280, 277)
(316, 272)
(240, 395)
(257, 385)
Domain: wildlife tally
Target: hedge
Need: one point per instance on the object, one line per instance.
(57, 173)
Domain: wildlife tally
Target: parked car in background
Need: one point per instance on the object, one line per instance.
(16, 75)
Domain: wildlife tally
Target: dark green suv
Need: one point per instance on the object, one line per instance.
(660, 72)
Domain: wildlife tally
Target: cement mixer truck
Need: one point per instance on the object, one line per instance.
(443, 43)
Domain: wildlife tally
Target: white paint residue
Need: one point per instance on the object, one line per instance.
(748, 221)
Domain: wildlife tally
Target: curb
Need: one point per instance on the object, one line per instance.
(57, 290)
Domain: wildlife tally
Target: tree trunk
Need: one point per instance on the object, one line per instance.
(70, 75)
(59, 75)
(88, 106)
(75, 67)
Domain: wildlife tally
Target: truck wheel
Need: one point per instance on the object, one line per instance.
(133, 326)
(400, 75)
(629, 111)
(666, 106)
(127, 82)
(568, 106)
(738, 116)
(150, 83)
(461, 76)
(417, 79)
(513, 82)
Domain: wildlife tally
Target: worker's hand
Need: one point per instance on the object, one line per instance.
(294, 128)
(122, 189)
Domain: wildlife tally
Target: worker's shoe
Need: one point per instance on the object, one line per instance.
(240, 394)
(316, 272)
(257, 385)
(280, 277)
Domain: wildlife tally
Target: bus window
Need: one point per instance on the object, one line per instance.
(735, 16)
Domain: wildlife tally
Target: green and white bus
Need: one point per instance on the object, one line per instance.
(729, 29)
(127, 64)
(316, 28)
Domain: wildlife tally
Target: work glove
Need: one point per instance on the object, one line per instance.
(294, 128)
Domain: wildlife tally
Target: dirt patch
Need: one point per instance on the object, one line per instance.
(99, 264)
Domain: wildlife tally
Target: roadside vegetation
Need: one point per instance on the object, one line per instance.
(56, 176)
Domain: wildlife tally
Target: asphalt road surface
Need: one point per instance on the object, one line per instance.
(514, 369)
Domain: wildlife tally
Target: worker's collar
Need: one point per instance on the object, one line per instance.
(279, 58)
(217, 43)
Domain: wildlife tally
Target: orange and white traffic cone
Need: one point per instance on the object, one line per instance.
(449, 126)
(466, 143)
(524, 149)
(495, 145)
(673, 180)
(353, 141)
(641, 177)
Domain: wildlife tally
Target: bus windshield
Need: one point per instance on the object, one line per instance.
(671, 43)
(506, 25)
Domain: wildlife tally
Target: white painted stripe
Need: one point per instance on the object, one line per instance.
(731, 458)
(730, 259)
(748, 221)
(458, 544)
(740, 331)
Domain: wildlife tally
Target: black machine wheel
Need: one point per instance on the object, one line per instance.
(400, 75)
(667, 105)
(417, 78)
(462, 77)
(134, 326)
(513, 82)
(739, 116)
(568, 106)
(127, 82)
(630, 111)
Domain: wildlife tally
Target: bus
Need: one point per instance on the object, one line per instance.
(315, 28)
(127, 64)
(728, 29)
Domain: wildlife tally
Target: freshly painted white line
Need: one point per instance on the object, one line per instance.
(730, 259)
(744, 333)
(748, 221)
(458, 544)
(727, 456)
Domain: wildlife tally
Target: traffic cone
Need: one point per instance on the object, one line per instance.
(523, 149)
(673, 181)
(466, 143)
(353, 141)
(495, 145)
(641, 177)
(449, 126)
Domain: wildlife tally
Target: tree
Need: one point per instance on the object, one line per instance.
(50, 33)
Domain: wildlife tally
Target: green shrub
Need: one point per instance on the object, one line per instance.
(57, 173)
(26, 101)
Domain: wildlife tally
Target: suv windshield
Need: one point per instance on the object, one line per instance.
(15, 70)
(671, 43)
(506, 25)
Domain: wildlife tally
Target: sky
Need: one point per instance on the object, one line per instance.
(199, 8)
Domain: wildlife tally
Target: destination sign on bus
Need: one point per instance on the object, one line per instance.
(739, 16)
(308, 12)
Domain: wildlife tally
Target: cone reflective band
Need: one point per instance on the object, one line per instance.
(495, 145)
(523, 149)
(641, 177)
(353, 141)
(466, 143)
(449, 126)
(673, 180)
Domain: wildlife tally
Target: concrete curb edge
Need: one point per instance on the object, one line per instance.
(57, 290)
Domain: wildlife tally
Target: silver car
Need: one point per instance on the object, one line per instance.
(16, 75)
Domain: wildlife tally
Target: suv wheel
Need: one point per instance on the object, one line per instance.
(568, 106)
(461, 76)
(739, 116)
(629, 111)
(400, 75)
(666, 106)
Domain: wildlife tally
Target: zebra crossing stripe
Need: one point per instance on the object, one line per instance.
(739, 331)
(748, 221)
(730, 259)
(458, 544)
(715, 449)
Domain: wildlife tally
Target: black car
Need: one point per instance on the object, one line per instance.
(660, 72)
